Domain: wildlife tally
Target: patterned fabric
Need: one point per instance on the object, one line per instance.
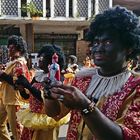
(121, 107)
(131, 127)
(36, 106)
(82, 84)
(26, 134)
(40, 122)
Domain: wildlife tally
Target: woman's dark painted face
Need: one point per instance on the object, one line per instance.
(107, 50)
(13, 52)
(43, 63)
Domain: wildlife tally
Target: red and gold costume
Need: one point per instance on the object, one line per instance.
(122, 107)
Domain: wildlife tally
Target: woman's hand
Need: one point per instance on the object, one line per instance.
(70, 96)
(23, 82)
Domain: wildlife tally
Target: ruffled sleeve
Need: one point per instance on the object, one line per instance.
(38, 121)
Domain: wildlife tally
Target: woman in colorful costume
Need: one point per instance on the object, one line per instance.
(105, 101)
(37, 125)
(11, 98)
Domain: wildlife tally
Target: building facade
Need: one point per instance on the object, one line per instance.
(60, 22)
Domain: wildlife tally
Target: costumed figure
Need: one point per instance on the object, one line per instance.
(11, 98)
(105, 101)
(37, 125)
(4, 135)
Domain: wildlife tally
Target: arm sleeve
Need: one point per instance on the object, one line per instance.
(131, 126)
(7, 78)
(24, 94)
(36, 93)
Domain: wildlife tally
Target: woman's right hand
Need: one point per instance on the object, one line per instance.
(70, 96)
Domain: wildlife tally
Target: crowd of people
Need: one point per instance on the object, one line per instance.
(100, 101)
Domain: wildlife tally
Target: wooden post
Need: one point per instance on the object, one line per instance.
(30, 37)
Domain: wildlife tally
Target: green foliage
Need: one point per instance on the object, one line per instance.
(32, 9)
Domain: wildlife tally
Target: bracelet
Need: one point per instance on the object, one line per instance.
(89, 109)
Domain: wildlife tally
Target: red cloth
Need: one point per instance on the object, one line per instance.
(112, 107)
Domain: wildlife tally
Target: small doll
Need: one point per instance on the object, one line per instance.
(54, 69)
(54, 76)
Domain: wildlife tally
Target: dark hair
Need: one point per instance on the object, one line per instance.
(48, 50)
(19, 42)
(73, 58)
(121, 21)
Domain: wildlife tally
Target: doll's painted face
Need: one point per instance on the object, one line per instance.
(108, 50)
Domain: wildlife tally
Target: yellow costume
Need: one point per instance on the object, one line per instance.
(39, 121)
(11, 98)
(68, 78)
(3, 118)
(37, 125)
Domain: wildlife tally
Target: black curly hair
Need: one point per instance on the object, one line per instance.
(48, 50)
(121, 21)
(19, 42)
(73, 58)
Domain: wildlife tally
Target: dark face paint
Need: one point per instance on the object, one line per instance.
(108, 51)
(42, 63)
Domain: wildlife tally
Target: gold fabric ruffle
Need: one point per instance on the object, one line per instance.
(39, 121)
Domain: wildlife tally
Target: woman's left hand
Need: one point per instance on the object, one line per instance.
(70, 96)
